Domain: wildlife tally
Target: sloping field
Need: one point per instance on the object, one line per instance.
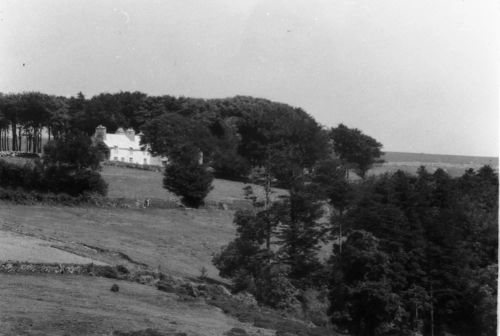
(81, 305)
(178, 241)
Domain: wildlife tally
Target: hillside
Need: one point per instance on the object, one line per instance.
(177, 242)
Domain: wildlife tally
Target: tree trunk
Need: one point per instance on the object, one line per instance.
(40, 141)
(14, 136)
(19, 139)
(35, 140)
(267, 201)
(432, 311)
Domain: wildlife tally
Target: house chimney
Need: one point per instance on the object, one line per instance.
(130, 134)
(100, 133)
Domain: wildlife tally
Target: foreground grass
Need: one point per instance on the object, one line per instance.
(78, 305)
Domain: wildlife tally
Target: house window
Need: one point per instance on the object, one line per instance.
(130, 160)
(116, 158)
(123, 159)
(145, 161)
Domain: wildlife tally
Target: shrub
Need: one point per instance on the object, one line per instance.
(273, 288)
(132, 165)
(106, 271)
(188, 179)
(51, 178)
(122, 269)
(236, 332)
(74, 151)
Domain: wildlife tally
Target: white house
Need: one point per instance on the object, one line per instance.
(125, 146)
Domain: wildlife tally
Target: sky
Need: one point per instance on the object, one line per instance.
(419, 76)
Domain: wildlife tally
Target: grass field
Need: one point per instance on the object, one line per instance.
(141, 184)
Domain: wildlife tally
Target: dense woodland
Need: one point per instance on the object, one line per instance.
(234, 134)
(408, 255)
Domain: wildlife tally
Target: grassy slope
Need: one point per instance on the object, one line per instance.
(80, 305)
(179, 241)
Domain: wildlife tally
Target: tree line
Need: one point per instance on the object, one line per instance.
(241, 130)
(234, 135)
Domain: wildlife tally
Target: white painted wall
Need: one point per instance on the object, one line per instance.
(130, 156)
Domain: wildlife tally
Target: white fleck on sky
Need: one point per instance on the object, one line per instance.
(419, 76)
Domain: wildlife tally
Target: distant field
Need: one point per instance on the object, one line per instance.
(438, 158)
(454, 165)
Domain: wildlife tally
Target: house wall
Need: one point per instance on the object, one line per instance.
(124, 146)
(131, 156)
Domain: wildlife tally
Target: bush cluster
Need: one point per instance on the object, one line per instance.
(54, 179)
(27, 155)
(20, 196)
(132, 165)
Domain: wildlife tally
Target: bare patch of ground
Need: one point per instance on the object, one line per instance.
(15, 247)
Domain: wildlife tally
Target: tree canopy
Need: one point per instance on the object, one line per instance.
(355, 148)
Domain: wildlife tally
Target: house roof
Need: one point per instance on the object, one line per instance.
(122, 141)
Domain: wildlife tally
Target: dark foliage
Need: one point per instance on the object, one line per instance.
(68, 166)
(54, 179)
(356, 149)
(234, 134)
(74, 151)
(266, 318)
(275, 251)
(132, 165)
(189, 179)
(421, 253)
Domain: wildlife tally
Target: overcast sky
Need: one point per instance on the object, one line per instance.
(419, 76)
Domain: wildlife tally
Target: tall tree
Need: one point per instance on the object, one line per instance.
(355, 149)
(186, 177)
